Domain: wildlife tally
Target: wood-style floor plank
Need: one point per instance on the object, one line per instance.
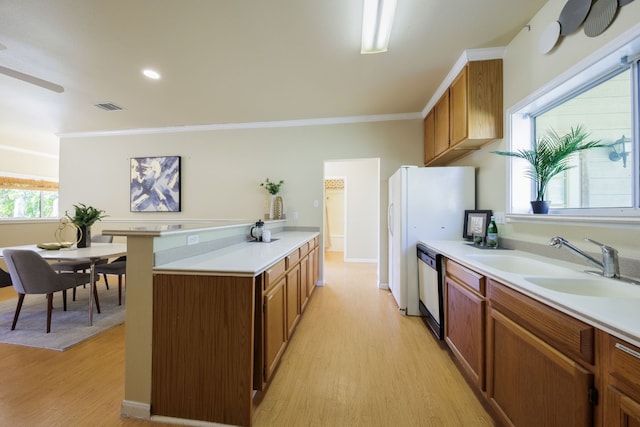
(353, 361)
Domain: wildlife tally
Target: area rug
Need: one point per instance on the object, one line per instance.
(68, 328)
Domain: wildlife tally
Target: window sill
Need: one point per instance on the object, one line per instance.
(608, 221)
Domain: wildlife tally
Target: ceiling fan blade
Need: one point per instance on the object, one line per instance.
(31, 79)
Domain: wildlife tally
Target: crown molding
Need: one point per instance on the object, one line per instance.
(251, 125)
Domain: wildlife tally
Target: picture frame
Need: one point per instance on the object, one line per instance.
(154, 184)
(476, 222)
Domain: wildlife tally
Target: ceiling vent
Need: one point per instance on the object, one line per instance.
(109, 106)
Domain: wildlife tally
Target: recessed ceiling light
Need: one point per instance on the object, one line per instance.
(152, 74)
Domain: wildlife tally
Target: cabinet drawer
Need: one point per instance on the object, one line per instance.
(469, 277)
(624, 365)
(292, 259)
(569, 335)
(304, 249)
(273, 273)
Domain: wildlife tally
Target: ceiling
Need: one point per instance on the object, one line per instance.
(231, 61)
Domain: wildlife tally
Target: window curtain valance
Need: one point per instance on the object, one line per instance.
(27, 184)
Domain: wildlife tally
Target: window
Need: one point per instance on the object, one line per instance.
(602, 98)
(600, 177)
(26, 198)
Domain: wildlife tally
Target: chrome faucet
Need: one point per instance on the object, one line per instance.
(609, 264)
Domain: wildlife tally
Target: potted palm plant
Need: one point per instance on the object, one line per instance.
(83, 218)
(549, 157)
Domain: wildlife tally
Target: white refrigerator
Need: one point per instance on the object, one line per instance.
(425, 203)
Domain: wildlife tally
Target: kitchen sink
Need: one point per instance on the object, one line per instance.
(607, 288)
(518, 265)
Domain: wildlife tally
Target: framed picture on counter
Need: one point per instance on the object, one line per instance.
(475, 222)
(155, 184)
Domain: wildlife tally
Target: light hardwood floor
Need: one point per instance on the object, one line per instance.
(353, 361)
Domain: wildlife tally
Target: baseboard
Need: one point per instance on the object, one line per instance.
(131, 409)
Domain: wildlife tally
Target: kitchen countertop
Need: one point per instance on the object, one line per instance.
(616, 315)
(242, 259)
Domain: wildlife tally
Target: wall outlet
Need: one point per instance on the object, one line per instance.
(499, 217)
(316, 203)
(295, 215)
(193, 239)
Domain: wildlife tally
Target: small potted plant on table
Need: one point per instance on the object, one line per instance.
(84, 217)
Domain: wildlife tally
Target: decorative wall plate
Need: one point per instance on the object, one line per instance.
(573, 15)
(601, 16)
(549, 37)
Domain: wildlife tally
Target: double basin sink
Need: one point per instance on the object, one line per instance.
(557, 278)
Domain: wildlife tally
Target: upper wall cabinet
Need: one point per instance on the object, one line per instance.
(474, 114)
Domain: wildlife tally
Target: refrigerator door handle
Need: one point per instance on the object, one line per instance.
(390, 219)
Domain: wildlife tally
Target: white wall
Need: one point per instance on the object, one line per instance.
(362, 193)
(222, 170)
(525, 71)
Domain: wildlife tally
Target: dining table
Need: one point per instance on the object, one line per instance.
(94, 253)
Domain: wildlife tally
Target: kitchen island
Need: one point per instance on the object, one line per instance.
(197, 336)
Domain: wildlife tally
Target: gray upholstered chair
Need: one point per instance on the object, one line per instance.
(81, 264)
(31, 274)
(117, 267)
(5, 279)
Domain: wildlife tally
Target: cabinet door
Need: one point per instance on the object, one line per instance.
(622, 411)
(275, 328)
(530, 383)
(293, 299)
(458, 96)
(429, 137)
(304, 283)
(465, 328)
(314, 260)
(442, 124)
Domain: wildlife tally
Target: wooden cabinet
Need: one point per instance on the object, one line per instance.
(429, 137)
(293, 299)
(537, 371)
(314, 269)
(622, 375)
(304, 282)
(275, 327)
(285, 292)
(441, 125)
(531, 383)
(465, 319)
(474, 112)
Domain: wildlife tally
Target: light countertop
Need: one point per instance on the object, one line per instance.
(619, 316)
(244, 259)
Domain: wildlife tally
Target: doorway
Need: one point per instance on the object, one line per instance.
(351, 215)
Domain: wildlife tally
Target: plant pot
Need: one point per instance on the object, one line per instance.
(84, 236)
(540, 206)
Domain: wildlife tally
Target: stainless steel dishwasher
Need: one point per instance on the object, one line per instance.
(431, 290)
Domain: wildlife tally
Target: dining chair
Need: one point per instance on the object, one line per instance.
(31, 274)
(117, 267)
(82, 264)
(5, 278)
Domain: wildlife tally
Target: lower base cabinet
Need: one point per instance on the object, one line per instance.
(284, 295)
(275, 327)
(532, 384)
(622, 373)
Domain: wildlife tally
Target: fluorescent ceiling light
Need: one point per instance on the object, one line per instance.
(152, 74)
(377, 19)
